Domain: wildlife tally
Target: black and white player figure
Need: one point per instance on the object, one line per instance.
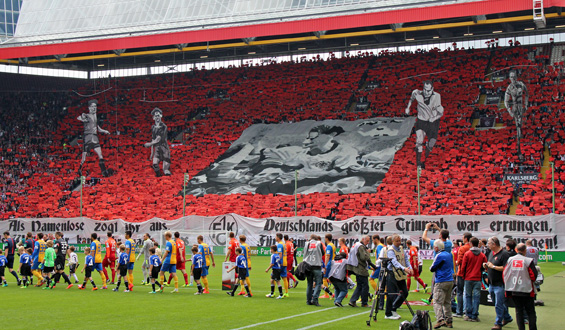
(430, 111)
(516, 102)
(159, 147)
(91, 141)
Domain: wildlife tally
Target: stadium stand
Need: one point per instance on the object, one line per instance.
(206, 110)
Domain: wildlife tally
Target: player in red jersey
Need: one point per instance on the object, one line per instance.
(181, 259)
(110, 258)
(234, 244)
(289, 246)
(413, 254)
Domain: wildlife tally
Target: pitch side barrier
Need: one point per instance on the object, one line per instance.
(545, 232)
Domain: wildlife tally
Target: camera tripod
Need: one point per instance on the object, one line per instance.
(383, 275)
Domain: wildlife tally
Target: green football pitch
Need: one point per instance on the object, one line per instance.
(105, 309)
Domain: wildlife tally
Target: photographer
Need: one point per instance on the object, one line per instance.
(358, 261)
(313, 253)
(398, 267)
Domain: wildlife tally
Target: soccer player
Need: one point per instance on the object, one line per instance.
(170, 261)
(95, 251)
(413, 254)
(378, 248)
(276, 273)
(290, 261)
(49, 264)
(3, 263)
(241, 265)
(9, 250)
(29, 243)
(233, 244)
(61, 248)
(73, 263)
(154, 269)
(159, 147)
(281, 250)
(147, 244)
(130, 250)
(330, 255)
(110, 258)
(245, 251)
(196, 268)
(91, 141)
(123, 262)
(181, 259)
(208, 255)
(38, 255)
(87, 270)
(25, 265)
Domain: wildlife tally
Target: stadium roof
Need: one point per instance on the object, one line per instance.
(56, 33)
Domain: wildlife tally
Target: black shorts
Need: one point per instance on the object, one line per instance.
(10, 263)
(2, 271)
(431, 129)
(72, 268)
(26, 270)
(241, 273)
(88, 272)
(155, 272)
(197, 273)
(420, 269)
(276, 275)
(60, 263)
(123, 269)
(48, 270)
(91, 142)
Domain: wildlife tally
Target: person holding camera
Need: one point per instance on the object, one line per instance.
(398, 267)
(358, 262)
(313, 252)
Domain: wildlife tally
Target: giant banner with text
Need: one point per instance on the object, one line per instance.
(544, 231)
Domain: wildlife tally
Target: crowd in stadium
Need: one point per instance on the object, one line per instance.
(206, 111)
(474, 264)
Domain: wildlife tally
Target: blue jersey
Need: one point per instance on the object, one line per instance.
(10, 245)
(241, 262)
(3, 261)
(25, 259)
(198, 261)
(89, 261)
(154, 261)
(29, 243)
(124, 258)
(168, 248)
(276, 261)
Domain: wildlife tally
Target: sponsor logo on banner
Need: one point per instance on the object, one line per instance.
(521, 177)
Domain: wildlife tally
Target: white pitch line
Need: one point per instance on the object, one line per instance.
(284, 318)
(332, 321)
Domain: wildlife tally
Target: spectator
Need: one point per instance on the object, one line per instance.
(442, 266)
(471, 271)
(497, 259)
(460, 282)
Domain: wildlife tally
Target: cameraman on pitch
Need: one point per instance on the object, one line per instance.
(398, 267)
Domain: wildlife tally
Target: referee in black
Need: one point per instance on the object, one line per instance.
(9, 250)
(61, 248)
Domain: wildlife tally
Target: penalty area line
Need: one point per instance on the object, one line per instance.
(284, 318)
(332, 321)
